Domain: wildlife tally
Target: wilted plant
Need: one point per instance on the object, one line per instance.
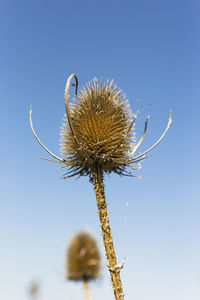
(83, 260)
(97, 137)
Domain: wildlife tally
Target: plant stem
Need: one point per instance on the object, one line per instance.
(86, 289)
(106, 233)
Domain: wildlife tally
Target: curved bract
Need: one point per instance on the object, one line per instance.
(98, 130)
(98, 137)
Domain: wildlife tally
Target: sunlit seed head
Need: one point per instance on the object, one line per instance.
(83, 258)
(102, 123)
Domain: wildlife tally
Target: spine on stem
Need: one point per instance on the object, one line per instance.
(106, 233)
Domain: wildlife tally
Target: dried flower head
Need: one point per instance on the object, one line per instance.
(83, 258)
(97, 137)
(102, 126)
(98, 131)
(34, 289)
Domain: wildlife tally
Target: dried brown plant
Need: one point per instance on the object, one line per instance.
(83, 260)
(33, 289)
(97, 137)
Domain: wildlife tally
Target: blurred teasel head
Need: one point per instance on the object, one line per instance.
(98, 131)
(33, 289)
(83, 258)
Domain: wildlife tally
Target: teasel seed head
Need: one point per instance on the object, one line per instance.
(34, 289)
(83, 258)
(102, 124)
(98, 131)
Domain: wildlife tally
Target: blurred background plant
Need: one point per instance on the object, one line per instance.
(34, 289)
(83, 260)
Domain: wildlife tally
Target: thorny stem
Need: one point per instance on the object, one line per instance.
(113, 266)
(86, 289)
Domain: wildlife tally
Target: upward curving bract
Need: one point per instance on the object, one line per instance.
(98, 131)
(97, 137)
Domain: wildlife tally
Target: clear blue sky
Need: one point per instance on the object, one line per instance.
(151, 49)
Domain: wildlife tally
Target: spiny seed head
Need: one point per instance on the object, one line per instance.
(83, 258)
(97, 133)
(101, 121)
